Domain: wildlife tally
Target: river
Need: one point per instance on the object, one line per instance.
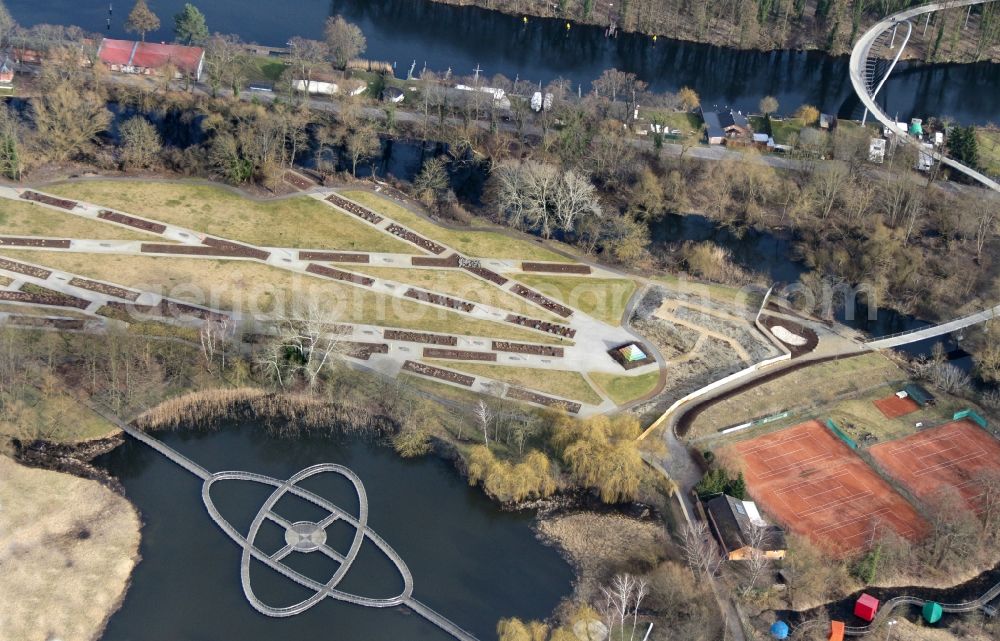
(465, 38)
(470, 561)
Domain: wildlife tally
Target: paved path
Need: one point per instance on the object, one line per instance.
(860, 80)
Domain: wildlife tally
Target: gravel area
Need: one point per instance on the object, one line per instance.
(758, 347)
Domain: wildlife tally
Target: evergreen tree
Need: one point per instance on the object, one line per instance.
(190, 26)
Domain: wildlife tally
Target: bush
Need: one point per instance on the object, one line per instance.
(718, 481)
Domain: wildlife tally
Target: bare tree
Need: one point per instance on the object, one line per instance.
(484, 415)
(306, 57)
(756, 539)
(306, 343)
(700, 551)
(622, 598)
(344, 40)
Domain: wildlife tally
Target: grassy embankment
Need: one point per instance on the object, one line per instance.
(622, 389)
(253, 287)
(28, 219)
(989, 150)
(291, 222)
(458, 284)
(67, 548)
(486, 244)
(561, 383)
(603, 298)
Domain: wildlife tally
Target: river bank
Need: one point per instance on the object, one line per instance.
(691, 22)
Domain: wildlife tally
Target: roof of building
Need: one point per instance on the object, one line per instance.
(712, 124)
(733, 520)
(730, 118)
(918, 393)
(150, 55)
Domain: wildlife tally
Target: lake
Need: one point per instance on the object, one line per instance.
(470, 561)
(464, 38)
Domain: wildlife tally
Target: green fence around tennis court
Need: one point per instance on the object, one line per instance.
(973, 416)
(841, 435)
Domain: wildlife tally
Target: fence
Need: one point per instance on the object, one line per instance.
(973, 416)
(841, 435)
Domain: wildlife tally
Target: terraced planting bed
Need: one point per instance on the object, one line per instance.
(519, 394)
(291, 222)
(472, 243)
(249, 286)
(50, 243)
(132, 221)
(561, 383)
(603, 298)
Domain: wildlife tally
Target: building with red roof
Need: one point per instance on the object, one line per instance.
(147, 58)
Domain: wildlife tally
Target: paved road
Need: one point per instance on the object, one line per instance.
(859, 58)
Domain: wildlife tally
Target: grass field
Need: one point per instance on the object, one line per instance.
(603, 298)
(720, 293)
(265, 69)
(561, 383)
(474, 243)
(67, 548)
(989, 150)
(623, 389)
(30, 310)
(260, 289)
(689, 124)
(27, 219)
(291, 222)
(804, 388)
(459, 284)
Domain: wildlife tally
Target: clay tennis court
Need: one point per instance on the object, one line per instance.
(813, 483)
(894, 407)
(949, 455)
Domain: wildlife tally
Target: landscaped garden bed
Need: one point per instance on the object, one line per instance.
(39, 321)
(459, 354)
(237, 249)
(437, 372)
(437, 299)
(544, 301)
(486, 274)
(418, 337)
(51, 243)
(519, 394)
(61, 203)
(543, 326)
(188, 250)
(55, 299)
(334, 257)
(131, 221)
(336, 274)
(355, 209)
(104, 288)
(556, 268)
(21, 268)
(363, 351)
(527, 348)
(170, 309)
(428, 261)
(419, 241)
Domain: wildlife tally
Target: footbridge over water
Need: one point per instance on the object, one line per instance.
(924, 333)
(865, 71)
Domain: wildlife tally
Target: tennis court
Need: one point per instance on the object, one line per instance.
(815, 485)
(952, 454)
(894, 407)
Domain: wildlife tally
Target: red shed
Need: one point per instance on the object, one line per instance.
(866, 607)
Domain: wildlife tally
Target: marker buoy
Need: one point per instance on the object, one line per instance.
(567, 26)
(525, 19)
(654, 38)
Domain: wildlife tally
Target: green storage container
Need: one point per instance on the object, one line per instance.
(932, 612)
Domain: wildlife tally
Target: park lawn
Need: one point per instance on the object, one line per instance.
(461, 285)
(603, 298)
(486, 244)
(786, 131)
(561, 383)
(808, 388)
(989, 150)
(28, 219)
(622, 389)
(265, 69)
(291, 222)
(688, 123)
(70, 546)
(32, 310)
(256, 289)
